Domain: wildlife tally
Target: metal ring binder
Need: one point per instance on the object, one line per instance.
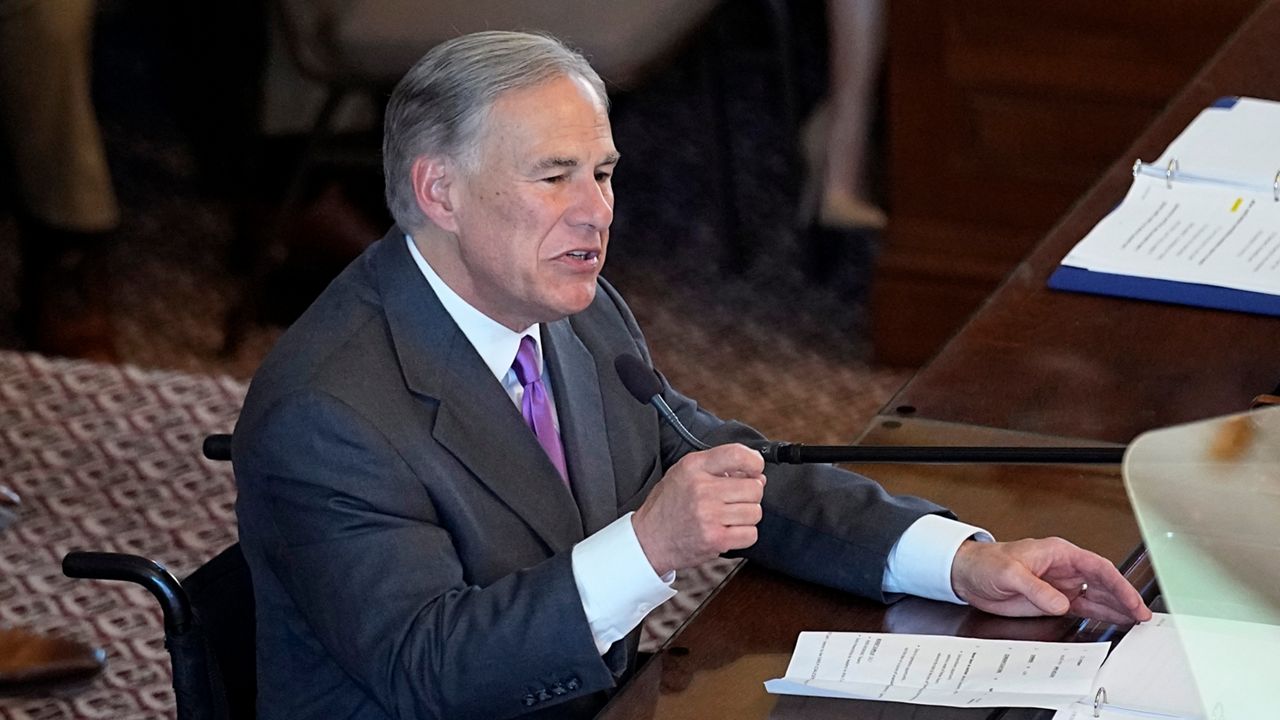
(1137, 167)
(1169, 172)
(1275, 187)
(1099, 700)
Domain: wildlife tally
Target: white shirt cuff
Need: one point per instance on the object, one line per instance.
(616, 583)
(920, 562)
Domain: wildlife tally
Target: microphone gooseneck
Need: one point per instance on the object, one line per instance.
(640, 380)
(643, 384)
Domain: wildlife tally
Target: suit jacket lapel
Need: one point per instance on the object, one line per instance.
(475, 419)
(580, 407)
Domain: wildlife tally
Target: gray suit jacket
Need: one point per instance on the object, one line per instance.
(410, 541)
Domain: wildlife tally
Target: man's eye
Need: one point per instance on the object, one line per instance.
(601, 175)
(555, 179)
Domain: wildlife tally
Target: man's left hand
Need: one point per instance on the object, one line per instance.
(1043, 577)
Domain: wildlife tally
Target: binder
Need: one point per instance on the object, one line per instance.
(1223, 150)
(1173, 292)
(1147, 675)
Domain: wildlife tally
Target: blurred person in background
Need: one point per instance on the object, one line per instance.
(55, 175)
(837, 134)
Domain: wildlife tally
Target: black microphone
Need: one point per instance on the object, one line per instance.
(643, 384)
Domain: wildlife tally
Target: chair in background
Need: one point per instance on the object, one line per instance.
(366, 46)
(209, 622)
(363, 47)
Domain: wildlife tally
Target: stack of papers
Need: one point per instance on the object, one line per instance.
(1147, 675)
(940, 670)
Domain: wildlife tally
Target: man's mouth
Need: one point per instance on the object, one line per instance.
(583, 254)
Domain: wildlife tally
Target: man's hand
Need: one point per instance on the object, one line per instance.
(707, 503)
(1043, 577)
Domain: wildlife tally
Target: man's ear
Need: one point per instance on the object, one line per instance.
(432, 182)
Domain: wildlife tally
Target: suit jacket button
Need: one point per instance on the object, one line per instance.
(529, 700)
(558, 689)
(543, 695)
(572, 684)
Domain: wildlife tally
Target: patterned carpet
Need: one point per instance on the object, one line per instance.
(107, 457)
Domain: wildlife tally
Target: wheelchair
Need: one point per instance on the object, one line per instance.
(209, 624)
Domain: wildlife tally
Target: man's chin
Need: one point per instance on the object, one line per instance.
(578, 301)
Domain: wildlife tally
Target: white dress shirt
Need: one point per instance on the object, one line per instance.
(616, 583)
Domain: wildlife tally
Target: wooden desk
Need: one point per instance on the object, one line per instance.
(1032, 366)
(716, 665)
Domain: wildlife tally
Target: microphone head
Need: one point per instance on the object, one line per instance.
(638, 378)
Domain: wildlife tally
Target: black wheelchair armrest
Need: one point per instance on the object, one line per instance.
(139, 570)
(217, 446)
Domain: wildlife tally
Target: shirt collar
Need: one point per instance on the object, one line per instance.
(496, 343)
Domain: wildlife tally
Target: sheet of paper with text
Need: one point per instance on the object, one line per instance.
(941, 670)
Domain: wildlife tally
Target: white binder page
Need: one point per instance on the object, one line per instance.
(1231, 145)
(1149, 671)
(1204, 234)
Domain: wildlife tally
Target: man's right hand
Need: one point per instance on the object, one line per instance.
(708, 503)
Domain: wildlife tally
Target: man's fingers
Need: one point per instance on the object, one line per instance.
(741, 514)
(1101, 609)
(1048, 599)
(739, 537)
(1108, 588)
(737, 490)
(1119, 594)
(1120, 604)
(730, 460)
(1047, 577)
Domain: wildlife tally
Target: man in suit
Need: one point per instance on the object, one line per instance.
(451, 506)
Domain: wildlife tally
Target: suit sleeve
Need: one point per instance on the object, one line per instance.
(821, 523)
(345, 527)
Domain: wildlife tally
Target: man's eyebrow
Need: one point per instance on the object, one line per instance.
(551, 163)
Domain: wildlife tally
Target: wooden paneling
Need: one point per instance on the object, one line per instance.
(1000, 113)
(1060, 363)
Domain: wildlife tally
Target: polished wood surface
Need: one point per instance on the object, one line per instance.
(1001, 113)
(716, 665)
(1085, 504)
(1062, 363)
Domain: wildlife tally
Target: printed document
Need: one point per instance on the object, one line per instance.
(940, 670)
(1207, 234)
(1147, 675)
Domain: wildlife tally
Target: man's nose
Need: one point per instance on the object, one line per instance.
(593, 206)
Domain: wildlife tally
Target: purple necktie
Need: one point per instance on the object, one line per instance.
(536, 406)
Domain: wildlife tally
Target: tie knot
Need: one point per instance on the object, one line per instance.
(526, 364)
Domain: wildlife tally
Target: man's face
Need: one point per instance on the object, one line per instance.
(532, 216)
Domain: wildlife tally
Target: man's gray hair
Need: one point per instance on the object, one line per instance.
(440, 105)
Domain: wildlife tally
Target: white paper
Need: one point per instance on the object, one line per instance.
(1233, 145)
(940, 670)
(1204, 234)
(1085, 712)
(1149, 671)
